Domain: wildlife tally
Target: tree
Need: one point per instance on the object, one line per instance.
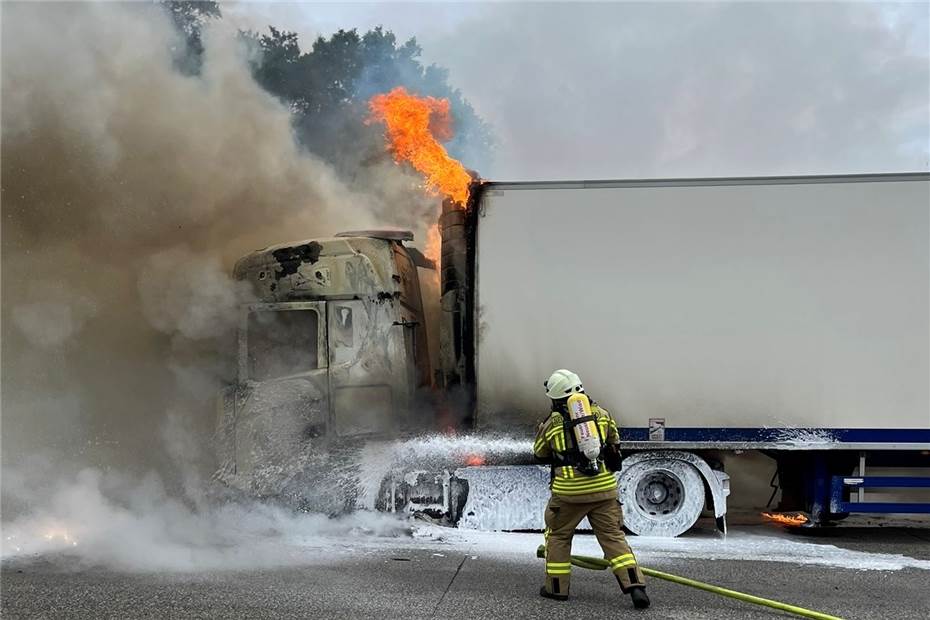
(188, 17)
(328, 89)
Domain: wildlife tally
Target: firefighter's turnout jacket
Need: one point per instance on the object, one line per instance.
(576, 495)
(555, 444)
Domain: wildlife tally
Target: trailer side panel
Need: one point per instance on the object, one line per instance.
(777, 303)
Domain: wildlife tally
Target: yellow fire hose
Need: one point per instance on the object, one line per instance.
(601, 564)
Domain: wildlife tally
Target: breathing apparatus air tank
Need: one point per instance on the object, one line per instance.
(584, 427)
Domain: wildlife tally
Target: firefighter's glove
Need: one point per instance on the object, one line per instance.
(557, 459)
(611, 455)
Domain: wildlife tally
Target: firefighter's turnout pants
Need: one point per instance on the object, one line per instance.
(606, 519)
(576, 495)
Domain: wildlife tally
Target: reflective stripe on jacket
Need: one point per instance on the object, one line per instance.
(552, 438)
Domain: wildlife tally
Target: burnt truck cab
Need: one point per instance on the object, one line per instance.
(332, 345)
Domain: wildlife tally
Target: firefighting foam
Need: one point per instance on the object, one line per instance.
(433, 452)
(125, 522)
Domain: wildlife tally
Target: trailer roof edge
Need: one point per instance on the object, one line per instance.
(709, 181)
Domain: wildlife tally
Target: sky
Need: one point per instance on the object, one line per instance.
(663, 90)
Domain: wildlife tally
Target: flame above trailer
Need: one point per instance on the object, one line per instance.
(414, 128)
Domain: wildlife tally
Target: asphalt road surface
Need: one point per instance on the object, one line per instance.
(406, 582)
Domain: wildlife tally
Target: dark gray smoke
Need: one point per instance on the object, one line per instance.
(128, 188)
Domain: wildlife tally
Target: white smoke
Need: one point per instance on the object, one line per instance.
(133, 523)
(128, 190)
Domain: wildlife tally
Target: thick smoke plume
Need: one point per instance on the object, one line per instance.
(128, 188)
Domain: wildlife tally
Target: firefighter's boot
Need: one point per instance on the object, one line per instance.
(640, 599)
(543, 592)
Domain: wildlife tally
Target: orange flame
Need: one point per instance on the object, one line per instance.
(474, 460)
(413, 127)
(433, 247)
(785, 519)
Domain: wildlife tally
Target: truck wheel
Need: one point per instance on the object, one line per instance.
(661, 497)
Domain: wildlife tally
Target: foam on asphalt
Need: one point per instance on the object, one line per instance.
(413, 578)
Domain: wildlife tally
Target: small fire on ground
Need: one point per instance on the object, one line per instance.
(786, 519)
(414, 128)
(38, 538)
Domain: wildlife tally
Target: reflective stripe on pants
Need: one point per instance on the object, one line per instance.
(606, 520)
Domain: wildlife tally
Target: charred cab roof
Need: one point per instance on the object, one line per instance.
(390, 234)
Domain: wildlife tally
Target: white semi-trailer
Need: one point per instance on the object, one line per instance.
(787, 315)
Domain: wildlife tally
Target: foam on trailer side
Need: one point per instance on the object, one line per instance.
(504, 498)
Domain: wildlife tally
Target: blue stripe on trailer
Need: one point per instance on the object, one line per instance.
(839, 485)
(883, 508)
(770, 435)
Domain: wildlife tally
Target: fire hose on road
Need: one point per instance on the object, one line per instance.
(591, 563)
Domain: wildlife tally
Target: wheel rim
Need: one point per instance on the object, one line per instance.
(659, 493)
(661, 497)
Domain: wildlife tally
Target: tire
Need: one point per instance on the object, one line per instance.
(661, 497)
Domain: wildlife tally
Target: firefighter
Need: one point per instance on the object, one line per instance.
(583, 485)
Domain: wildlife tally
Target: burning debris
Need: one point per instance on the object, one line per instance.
(37, 536)
(791, 520)
(59, 534)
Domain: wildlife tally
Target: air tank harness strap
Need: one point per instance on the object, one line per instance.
(560, 457)
(568, 426)
(588, 418)
(571, 457)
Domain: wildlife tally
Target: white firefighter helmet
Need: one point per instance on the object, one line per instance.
(562, 384)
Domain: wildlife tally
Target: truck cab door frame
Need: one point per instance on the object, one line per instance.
(322, 342)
